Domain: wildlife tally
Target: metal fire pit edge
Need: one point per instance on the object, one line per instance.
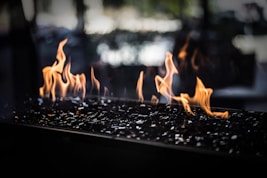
(69, 151)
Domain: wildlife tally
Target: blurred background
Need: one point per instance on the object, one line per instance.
(120, 38)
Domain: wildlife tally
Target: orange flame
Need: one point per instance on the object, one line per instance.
(164, 85)
(185, 103)
(182, 54)
(139, 86)
(202, 98)
(76, 83)
(53, 78)
(59, 80)
(193, 60)
(95, 82)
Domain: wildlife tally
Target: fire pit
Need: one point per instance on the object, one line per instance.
(122, 135)
(242, 134)
(130, 134)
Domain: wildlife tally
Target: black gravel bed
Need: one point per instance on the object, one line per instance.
(243, 133)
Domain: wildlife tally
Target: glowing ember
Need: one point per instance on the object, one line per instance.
(53, 78)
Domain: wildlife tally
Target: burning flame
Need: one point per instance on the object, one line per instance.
(95, 82)
(193, 59)
(58, 80)
(75, 83)
(139, 86)
(164, 85)
(63, 81)
(202, 98)
(182, 54)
